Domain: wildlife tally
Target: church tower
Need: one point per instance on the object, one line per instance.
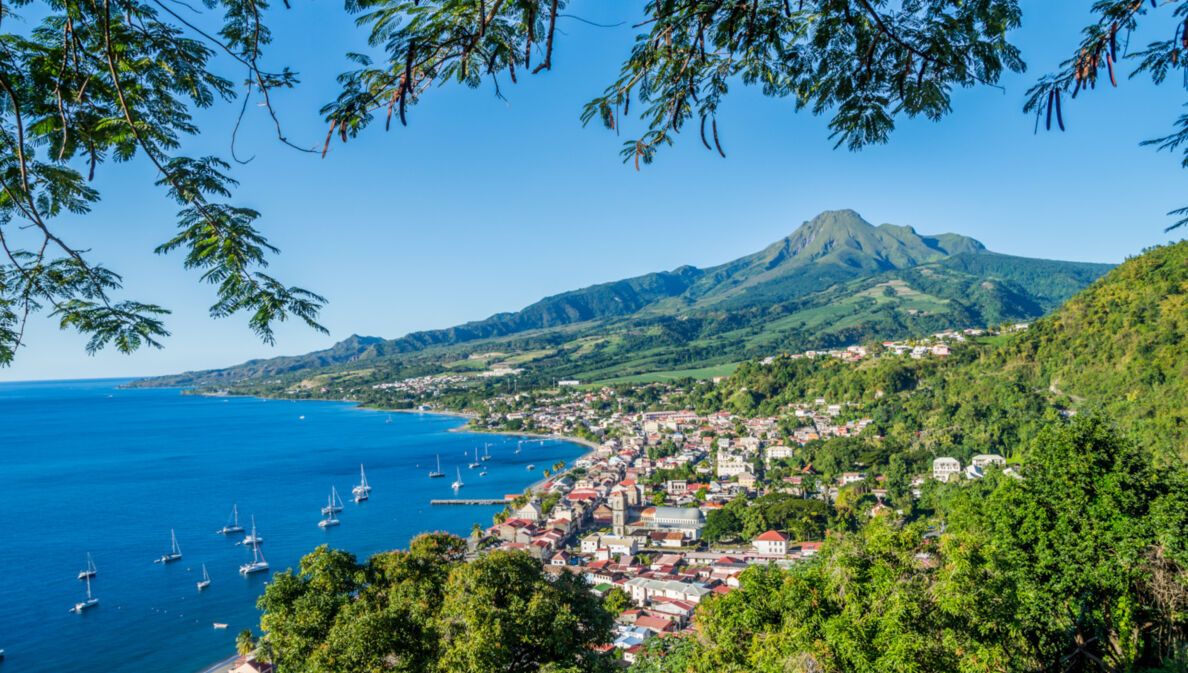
(618, 514)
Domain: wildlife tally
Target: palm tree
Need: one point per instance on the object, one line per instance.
(476, 531)
(244, 643)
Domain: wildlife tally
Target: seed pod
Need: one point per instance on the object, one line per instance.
(703, 140)
(1059, 117)
(1110, 67)
(714, 124)
(328, 137)
(1051, 95)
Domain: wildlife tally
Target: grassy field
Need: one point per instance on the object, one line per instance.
(652, 377)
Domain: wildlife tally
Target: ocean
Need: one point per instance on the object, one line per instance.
(88, 467)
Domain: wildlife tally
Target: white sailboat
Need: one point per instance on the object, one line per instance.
(486, 452)
(335, 505)
(258, 563)
(330, 519)
(90, 602)
(363, 490)
(233, 526)
(458, 484)
(90, 571)
(437, 473)
(174, 553)
(205, 579)
(476, 462)
(252, 538)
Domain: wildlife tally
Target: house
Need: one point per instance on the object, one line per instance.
(656, 624)
(529, 512)
(747, 480)
(778, 452)
(809, 549)
(852, 478)
(985, 460)
(771, 542)
(643, 589)
(944, 468)
(666, 538)
(250, 665)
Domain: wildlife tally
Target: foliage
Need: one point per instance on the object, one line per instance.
(428, 610)
(92, 82)
(1080, 565)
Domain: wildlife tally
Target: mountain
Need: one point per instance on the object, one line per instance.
(836, 279)
(1118, 347)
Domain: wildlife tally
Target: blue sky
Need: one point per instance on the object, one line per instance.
(482, 206)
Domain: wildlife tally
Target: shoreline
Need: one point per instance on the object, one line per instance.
(224, 665)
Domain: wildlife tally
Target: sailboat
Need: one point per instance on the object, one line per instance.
(458, 484)
(518, 445)
(476, 462)
(258, 563)
(205, 579)
(437, 473)
(90, 602)
(335, 503)
(234, 526)
(252, 538)
(90, 571)
(363, 490)
(486, 452)
(330, 519)
(174, 553)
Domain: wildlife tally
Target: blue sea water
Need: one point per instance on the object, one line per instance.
(87, 467)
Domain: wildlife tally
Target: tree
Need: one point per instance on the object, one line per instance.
(501, 613)
(427, 609)
(121, 79)
(616, 601)
(1078, 566)
(245, 642)
(97, 81)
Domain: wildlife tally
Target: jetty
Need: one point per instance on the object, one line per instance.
(474, 501)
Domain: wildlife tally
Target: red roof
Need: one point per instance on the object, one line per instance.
(772, 536)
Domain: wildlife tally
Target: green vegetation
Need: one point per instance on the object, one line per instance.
(1079, 566)
(835, 281)
(428, 610)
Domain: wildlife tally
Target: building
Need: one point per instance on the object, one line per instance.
(944, 468)
(778, 452)
(687, 520)
(985, 460)
(643, 589)
(771, 542)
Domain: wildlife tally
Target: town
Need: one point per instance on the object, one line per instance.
(650, 516)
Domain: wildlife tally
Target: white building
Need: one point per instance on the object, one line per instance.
(943, 468)
(771, 542)
(987, 459)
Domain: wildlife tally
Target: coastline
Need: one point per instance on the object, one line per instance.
(225, 664)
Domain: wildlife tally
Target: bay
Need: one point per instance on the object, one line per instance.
(88, 467)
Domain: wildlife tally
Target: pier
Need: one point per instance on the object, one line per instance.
(479, 501)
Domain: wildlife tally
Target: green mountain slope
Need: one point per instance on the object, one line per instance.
(835, 280)
(1119, 347)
